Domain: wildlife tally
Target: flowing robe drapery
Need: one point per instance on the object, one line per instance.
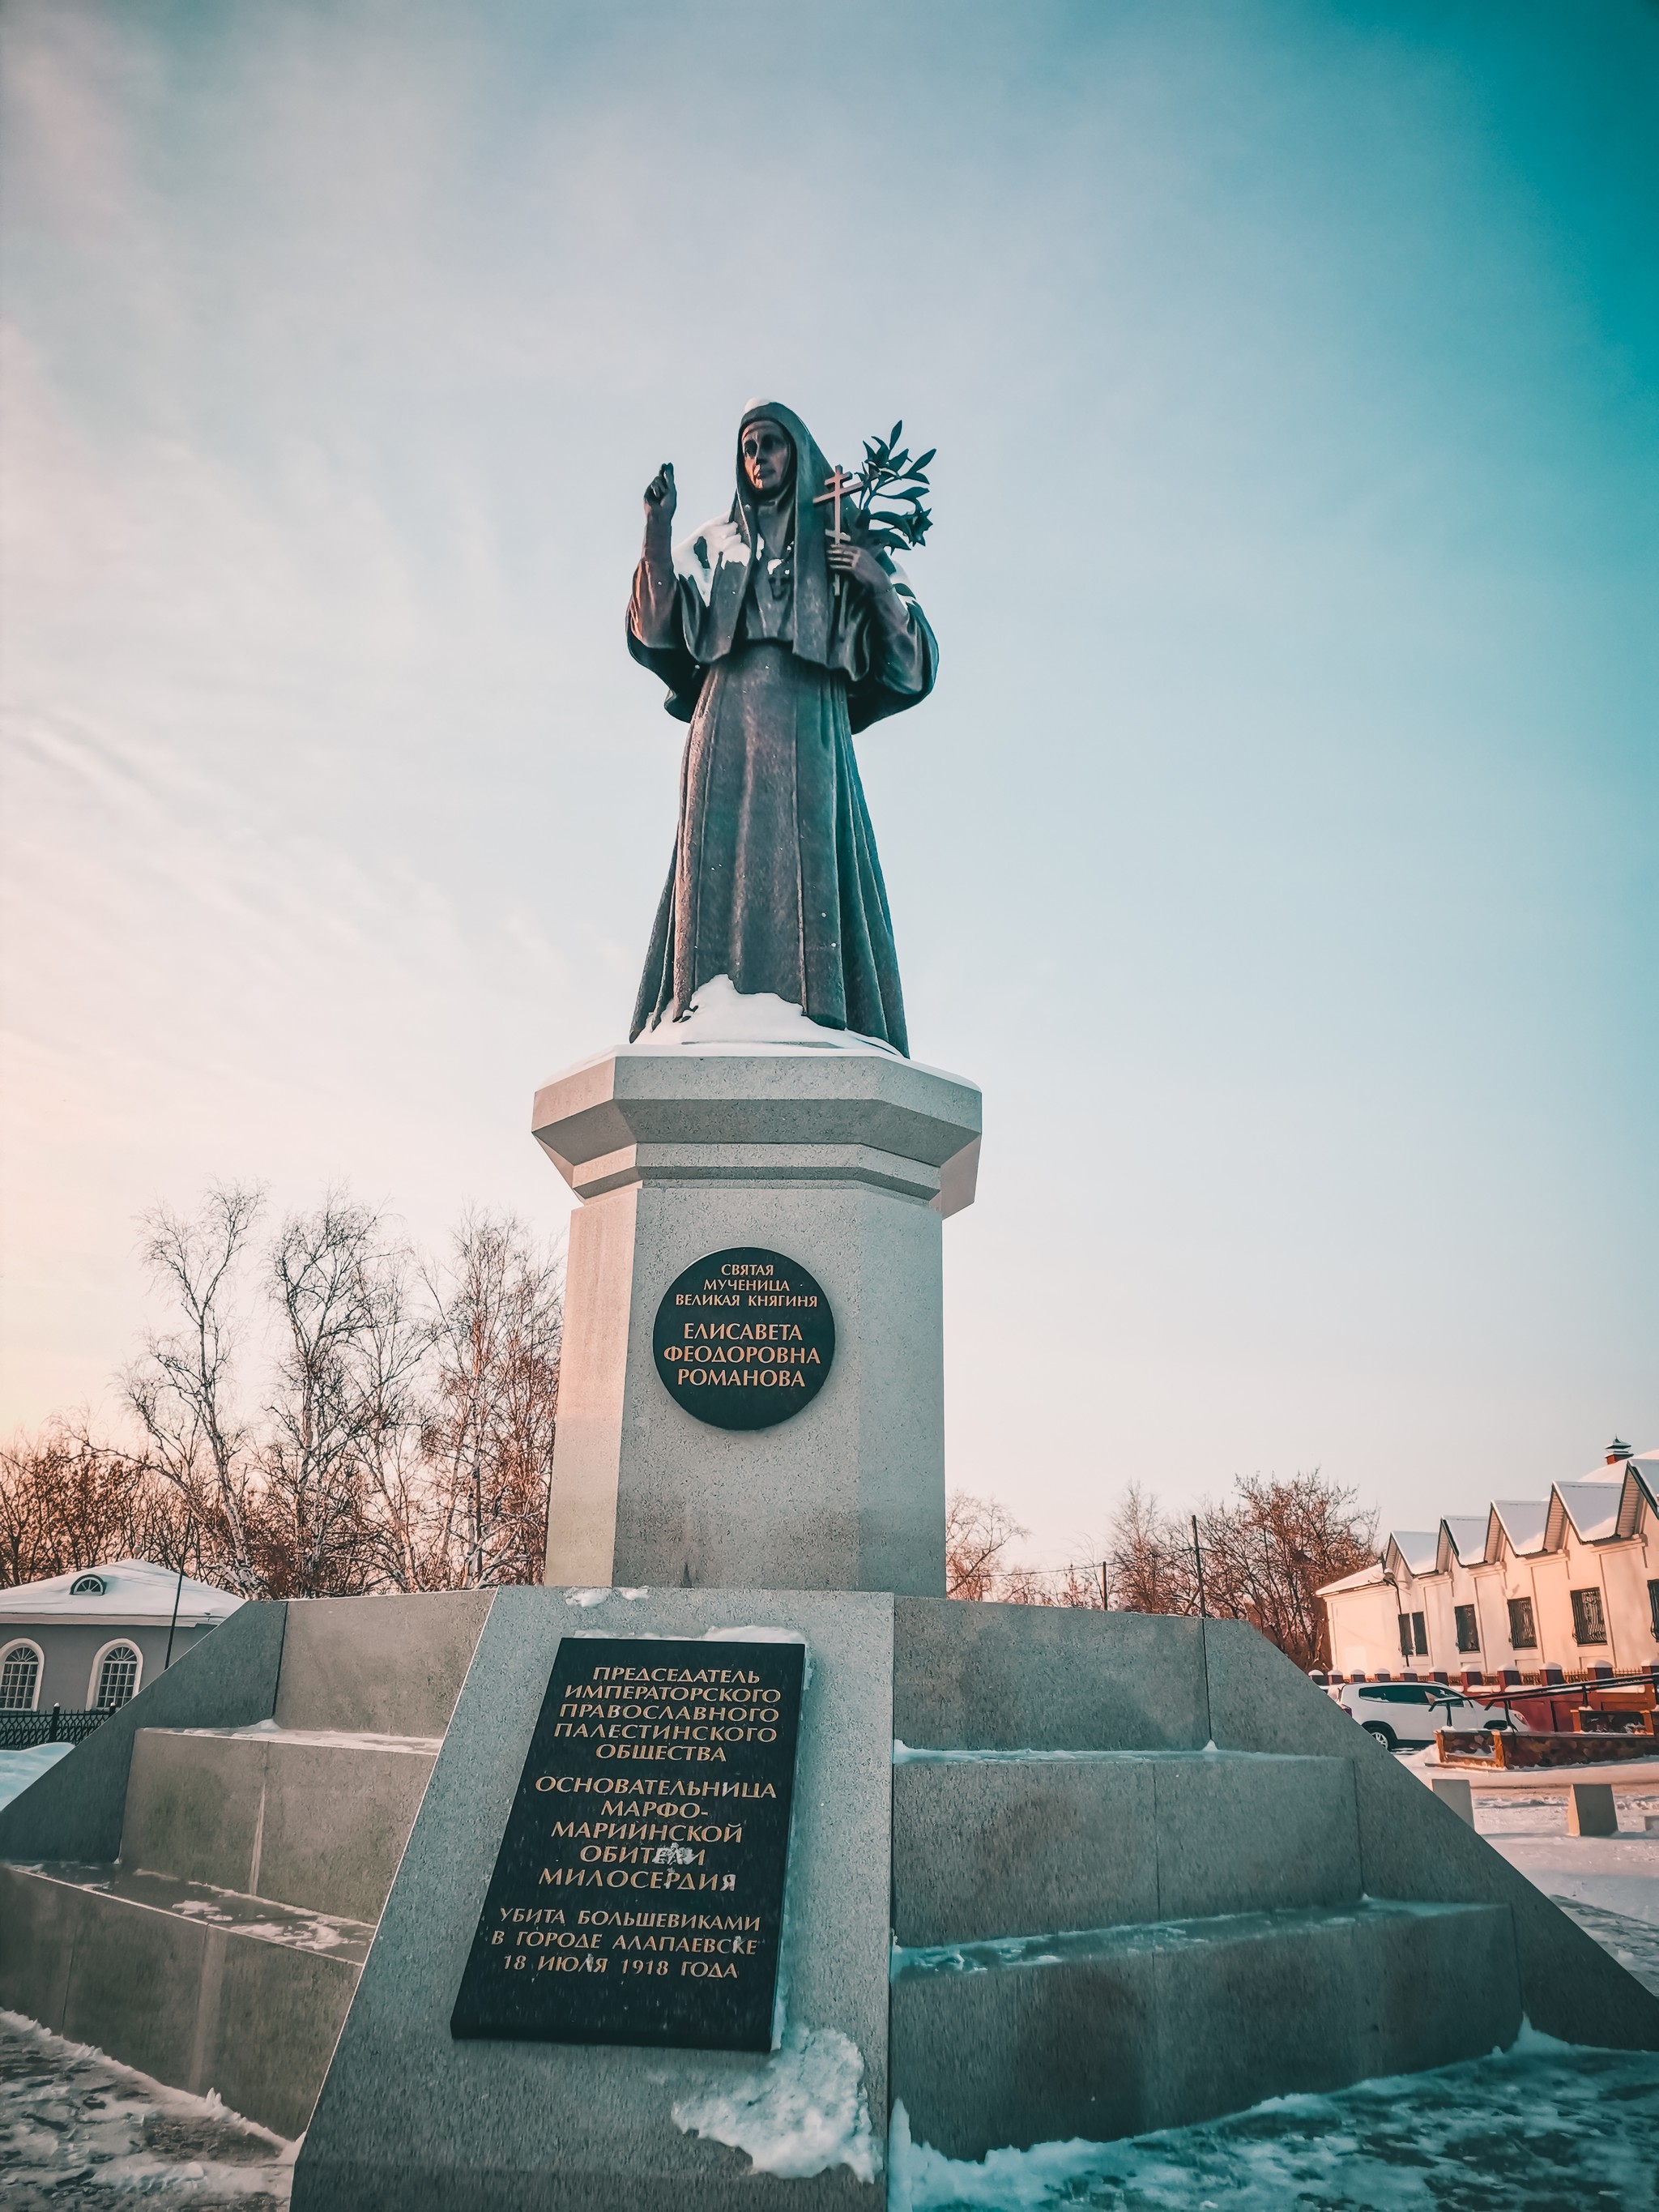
(774, 880)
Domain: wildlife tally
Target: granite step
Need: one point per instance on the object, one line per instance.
(202, 1987)
(1116, 2031)
(311, 1818)
(989, 1844)
(389, 1665)
(252, 1856)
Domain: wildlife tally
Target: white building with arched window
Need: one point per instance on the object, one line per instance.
(96, 1636)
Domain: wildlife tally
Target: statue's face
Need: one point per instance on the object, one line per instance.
(768, 456)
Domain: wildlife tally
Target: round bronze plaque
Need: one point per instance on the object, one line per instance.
(743, 1339)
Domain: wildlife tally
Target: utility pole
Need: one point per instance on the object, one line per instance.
(1198, 1561)
(177, 1592)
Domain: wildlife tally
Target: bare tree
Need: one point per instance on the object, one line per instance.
(401, 1526)
(498, 1330)
(1152, 1564)
(1265, 1551)
(180, 1389)
(406, 1437)
(1268, 1550)
(977, 1533)
(342, 1411)
(67, 1501)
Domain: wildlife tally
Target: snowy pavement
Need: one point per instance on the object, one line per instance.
(19, 1768)
(1542, 2128)
(1608, 1884)
(76, 2130)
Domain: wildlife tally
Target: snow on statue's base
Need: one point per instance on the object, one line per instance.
(803, 2112)
(722, 1018)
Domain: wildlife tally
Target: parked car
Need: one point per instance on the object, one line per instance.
(1404, 1715)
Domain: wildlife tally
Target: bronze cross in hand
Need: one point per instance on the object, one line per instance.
(837, 484)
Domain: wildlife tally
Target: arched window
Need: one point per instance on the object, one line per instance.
(86, 1586)
(115, 1674)
(20, 1678)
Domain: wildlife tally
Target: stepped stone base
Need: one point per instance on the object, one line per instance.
(1093, 1923)
(988, 1847)
(1118, 2031)
(200, 1987)
(195, 1888)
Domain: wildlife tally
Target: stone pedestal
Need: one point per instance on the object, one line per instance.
(412, 2120)
(844, 1161)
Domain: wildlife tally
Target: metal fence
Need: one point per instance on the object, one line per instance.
(22, 1731)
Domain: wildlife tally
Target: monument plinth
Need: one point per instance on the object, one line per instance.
(838, 1163)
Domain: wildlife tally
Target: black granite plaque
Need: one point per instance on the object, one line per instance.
(638, 1893)
(743, 1339)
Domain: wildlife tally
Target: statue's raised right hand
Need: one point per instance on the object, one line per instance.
(660, 496)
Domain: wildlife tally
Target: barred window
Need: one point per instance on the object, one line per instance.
(1419, 1636)
(1589, 1622)
(1405, 1636)
(1523, 1633)
(1468, 1634)
(118, 1677)
(20, 1679)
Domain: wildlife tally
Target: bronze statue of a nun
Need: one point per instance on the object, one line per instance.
(775, 881)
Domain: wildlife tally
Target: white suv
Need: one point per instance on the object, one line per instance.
(1404, 1715)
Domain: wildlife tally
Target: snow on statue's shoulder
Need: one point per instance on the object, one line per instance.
(696, 559)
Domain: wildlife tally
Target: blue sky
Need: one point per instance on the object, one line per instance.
(1276, 851)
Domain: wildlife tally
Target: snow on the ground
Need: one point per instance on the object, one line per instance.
(19, 1768)
(77, 2131)
(1608, 1884)
(1542, 2128)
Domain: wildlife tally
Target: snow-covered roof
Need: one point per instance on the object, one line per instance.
(1591, 1507)
(1418, 1547)
(1524, 1521)
(135, 1592)
(1613, 1470)
(1595, 1511)
(1370, 1574)
(1463, 1536)
(1605, 1506)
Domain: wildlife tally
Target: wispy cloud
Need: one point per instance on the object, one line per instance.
(1267, 850)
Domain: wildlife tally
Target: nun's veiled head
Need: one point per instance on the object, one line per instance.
(766, 453)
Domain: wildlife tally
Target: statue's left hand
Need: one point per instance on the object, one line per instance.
(660, 496)
(858, 561)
